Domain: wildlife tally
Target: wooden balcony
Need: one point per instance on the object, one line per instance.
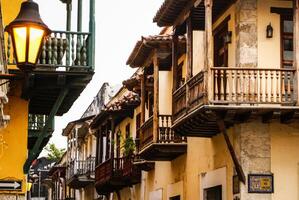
(81, 173)
(64, 61)
(166, 145)
(35, 125)
(234, 94)
(115, 174)
(64, 68)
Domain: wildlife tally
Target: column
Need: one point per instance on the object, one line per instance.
(296, 48)
(156, 97)
(208, 50)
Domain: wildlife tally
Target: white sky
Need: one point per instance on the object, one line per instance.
(119, 24)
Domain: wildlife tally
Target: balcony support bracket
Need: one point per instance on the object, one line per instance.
(237, 164)
(33, 153)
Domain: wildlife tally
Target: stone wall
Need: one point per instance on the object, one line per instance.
(12, 197)
(254, 149)
(246, 33)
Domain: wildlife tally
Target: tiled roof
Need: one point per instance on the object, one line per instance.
(127, 100)
(169, 11)
(144, 47)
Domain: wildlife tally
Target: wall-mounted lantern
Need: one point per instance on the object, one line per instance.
(228, 37)
(269, 31)
(27, 32)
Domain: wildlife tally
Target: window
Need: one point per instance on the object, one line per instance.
(213, 193)
(150, 103)
(180, 80)
(128, 130)
(287, 48)
(178, 197)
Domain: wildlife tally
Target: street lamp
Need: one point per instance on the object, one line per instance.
(27, 32)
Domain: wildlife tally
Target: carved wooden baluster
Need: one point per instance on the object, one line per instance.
(55, 49)
(161, 137)
(245, 86)
(216, 94)
(249, 86)
(43, 56)
(277, 86)
(255, 87)
(233, 87)
(84, 52)
(266, 85)
(227, 85)
(50, 50)
(272, 86)
(238, 88)
(222, 82)
(8, 53)
(260, 98)
(60, 48)
(289, 96)
(283, 88)
(165, 124)
(67, 49)
(78, 50)
(73, 49)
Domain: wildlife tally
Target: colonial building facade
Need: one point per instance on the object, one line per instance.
(211, 112)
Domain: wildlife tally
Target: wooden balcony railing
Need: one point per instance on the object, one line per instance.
(253, 86)
(115, 167)
(62, 49)
(165, 133)
(195, 89)
(81, 167)
(235, 86)
(37, 122)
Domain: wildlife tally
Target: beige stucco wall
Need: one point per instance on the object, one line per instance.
(269, 48)
(198, 51)
(285, 160)
(165, 92)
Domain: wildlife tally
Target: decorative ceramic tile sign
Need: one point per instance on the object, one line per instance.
(260, 183)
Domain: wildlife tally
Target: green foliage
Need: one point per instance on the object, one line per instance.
(129, 146)
(54, 153)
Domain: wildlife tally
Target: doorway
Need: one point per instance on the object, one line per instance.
(213, 193)
(178, 197)
(221, 59)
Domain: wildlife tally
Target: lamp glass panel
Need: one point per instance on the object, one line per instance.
(20, 35)
(35, 39)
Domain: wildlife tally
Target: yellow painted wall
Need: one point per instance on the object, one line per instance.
(14, 151)
(198, 51)
(13, 148)
(165, 92)
(269, 48)
(285, 160)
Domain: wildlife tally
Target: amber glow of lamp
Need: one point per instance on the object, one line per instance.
(27, 33)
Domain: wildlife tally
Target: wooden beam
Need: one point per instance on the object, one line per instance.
(33, 154)
(107, 141)
(189, 47)
(113, 137)
(156, 97)
(230, 147)
(208, 50)
(174, 62)
(143, 79)
(98, 147)
(296, 48)
(185, 13)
